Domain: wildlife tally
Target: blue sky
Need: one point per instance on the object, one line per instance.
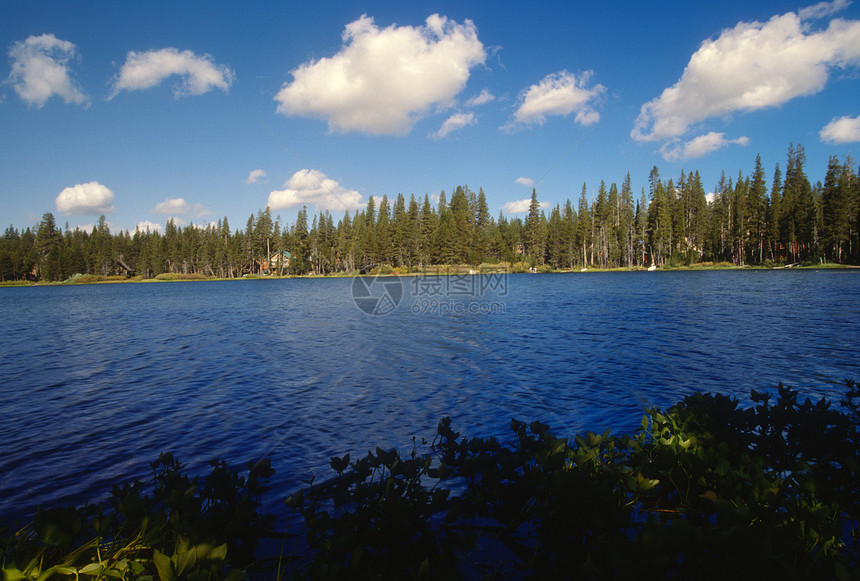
(198, 110)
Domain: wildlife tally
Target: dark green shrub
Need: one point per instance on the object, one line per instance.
(173, 527)
(706, 489)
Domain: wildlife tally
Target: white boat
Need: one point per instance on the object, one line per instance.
(653, 267)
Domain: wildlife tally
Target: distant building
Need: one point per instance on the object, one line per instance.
(276, 262)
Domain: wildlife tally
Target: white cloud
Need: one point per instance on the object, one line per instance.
(88, 198)
(179, 207)
(823, 9)
(453, 123)
(171, 206)
(255, 177)
(749, 67)
(559, 94)
(199, 74)
(147, 226)
(527, 182)
(842, 130)
(199, 210)
(383, 80)
(699, 146)
(521, 206)
(40, 70)
(482, 99)
(312, 187)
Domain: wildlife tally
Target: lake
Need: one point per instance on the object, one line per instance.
(98, 380)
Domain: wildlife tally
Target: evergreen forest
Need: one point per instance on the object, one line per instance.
(755, 219)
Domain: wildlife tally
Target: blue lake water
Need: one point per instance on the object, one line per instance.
(97, 380)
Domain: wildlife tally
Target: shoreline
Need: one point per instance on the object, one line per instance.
(446, 270)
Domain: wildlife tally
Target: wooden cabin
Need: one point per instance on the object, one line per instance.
(276, 262)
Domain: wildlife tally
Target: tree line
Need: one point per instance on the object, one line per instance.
(749, 220)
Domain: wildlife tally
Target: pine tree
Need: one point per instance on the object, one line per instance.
(699, 215)
(555, 250)
(833, 202)
(225, 258)
(481, 232)
(445, 250)
(775, 240)
(74, 258)
(850, 185)
(368, 256)
(189, 245)
(462, 217)
(602, 225)
(659, 219)
(345, 254)
(568, 223)
(797, 204)
(399, 232)
(48, 248)
(11, 263)
(261, 237)
(535, 233)
(383, 233)
(412, 233)
(301, 245)
(614, 249)
(583, 233)
(315, 247)
(721, 213)
(757, 210)
(626, 229)
(641, 219)
(497, 251)
(157, 257)
(102, 237)
(738, 220)
(429, 222)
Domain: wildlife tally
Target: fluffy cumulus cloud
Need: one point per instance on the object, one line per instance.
(255, 177)
(750, 67)
(383, 80)
(559, 94)
(41, 69)
(197, 74)
(309, 187)
(841, 130)
(88, 198)
(699, 146)
(453, 123)
(521, 206)
(179, 207)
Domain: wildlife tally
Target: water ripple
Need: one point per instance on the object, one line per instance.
(99, 380)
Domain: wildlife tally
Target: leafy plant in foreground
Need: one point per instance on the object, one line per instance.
(174, 527)
(706, 489)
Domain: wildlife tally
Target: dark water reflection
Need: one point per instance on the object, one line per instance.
(99, 379)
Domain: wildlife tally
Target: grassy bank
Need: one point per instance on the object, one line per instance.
(461, 269)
